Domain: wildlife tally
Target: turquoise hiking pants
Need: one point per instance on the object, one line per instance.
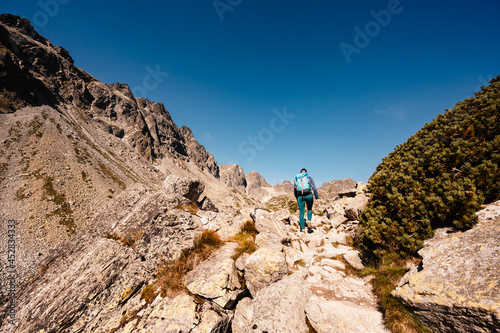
(302, 201)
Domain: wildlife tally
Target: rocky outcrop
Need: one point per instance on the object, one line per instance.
(354, 209)
(216, 279)
(252, 183)
(280, 307)
(190, 189)
(285, 187)
(34, 72)
(456, 287)
(335, 187)
(89, 281)
(264, 267)
(232, 175)
(330, 316)
(265, 221)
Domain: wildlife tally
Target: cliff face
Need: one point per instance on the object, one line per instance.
(456, 287)
(33, 72)
(69, 143)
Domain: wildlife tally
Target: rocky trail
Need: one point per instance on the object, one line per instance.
(98, 280)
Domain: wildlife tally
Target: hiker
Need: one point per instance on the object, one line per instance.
(303, 188)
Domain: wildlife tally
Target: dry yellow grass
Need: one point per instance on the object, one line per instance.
(170, 275)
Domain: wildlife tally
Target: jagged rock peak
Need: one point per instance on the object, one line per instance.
(33, 72)
(255, 179)
(232, 175)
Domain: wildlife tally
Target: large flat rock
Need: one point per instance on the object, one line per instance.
(216, 278)
(456, 288)
(279, 307)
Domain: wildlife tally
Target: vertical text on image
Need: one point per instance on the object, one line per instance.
(11, 273)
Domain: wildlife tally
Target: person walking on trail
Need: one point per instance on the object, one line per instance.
(303, 189)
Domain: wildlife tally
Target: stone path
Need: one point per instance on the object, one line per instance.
(339, 302)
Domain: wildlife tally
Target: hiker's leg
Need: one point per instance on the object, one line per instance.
(309, 200)
(302, 205)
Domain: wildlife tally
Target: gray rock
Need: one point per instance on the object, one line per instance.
(456, 287)
(171, 315)
(354, 259)
(355, 207)
(332, 263)
(266, 222)
(292, 256)
(336, 187)
(232, 175)
(212, 322)
(270, 240)
(343, 317)
(279, 307)
(240, 262)
(190, 189)
(216, 278)
(207, 204)
(264, 267)
(40, 73)
(88, 281)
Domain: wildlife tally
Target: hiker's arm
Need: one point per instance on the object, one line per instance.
(315, 190)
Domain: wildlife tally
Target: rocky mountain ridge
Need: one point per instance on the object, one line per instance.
(104, 188)
(35, 73)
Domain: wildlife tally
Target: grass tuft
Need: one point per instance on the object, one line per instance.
(245, 239)
(149, 293)
(191, 208)
(385, 279)
(170, 275)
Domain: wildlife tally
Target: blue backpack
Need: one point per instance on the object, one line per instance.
(302, 184)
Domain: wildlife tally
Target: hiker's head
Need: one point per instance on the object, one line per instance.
(303, 170)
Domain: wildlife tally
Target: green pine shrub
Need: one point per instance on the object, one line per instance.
(439, 178)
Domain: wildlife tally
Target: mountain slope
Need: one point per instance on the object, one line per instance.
(69, 144)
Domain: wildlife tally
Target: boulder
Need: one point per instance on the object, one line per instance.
(335, 236)
(353, 258)
(335, 187)
(208, 205)
(264, 267)
(171, 315)
(355, 207)
(329, 251)
(456, 287)
(361, 187)
(216, 278)
(328, 316)
(333, 263)
(279, 307)
(240, 262)
(188, 188)
(266, 222)
(292, 256)
(212, 322)
(270, 240)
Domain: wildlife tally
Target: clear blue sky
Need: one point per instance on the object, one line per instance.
(358, 77)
